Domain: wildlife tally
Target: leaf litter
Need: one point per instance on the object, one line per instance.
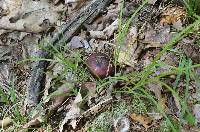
(88, 99)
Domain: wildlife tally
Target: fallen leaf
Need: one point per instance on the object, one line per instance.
(172, 14)
(155, 116)
(95, 110)
(130, 51)
(107, 32)
(97, 34)
(73, 113)
(77, 42)
(59, 96)
(29, 16)
(178, 104)
(196, 111)
(90, 87)
(155, 88)
(178, 25)
(36, 120)
(144, 120)
(157, 38)
(152, 1)
(5, 122)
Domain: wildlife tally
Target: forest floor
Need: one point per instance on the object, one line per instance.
(134, 66)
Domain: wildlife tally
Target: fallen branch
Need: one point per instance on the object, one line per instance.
(64, 35)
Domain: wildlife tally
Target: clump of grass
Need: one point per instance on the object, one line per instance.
(140, 85)
(192, 7)
(12, 107)
(164, 127)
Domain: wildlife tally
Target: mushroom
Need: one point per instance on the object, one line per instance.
(100, 65)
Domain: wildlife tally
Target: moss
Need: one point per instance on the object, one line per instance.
(102, 123)
(120, 109)
(164, 127)
(138, 106)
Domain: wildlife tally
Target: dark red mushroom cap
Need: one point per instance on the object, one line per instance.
(100, 65)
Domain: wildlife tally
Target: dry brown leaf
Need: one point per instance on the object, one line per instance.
(5, 122)
(144, 120)
(155, 115)
(177, 103)
(59, 97)
(157, 38)
(76, 42)
(107, 32)
(152, 1)
(36, 120)
(80, 3)
(163, 102)
(90, 86)
(29, 16)
(130, 52)
(172, 14)
(156, 88)
(95, 110)
(73, 113)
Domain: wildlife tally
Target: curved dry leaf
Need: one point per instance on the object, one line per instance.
(156, 88)
(36, 120)
(130, 52)
(76, 42)
(95, 110)
(144, 120)
(5, 122)
(172, 14)
(73, 113)
(59, 95)
(107, 32)
(33, 122)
